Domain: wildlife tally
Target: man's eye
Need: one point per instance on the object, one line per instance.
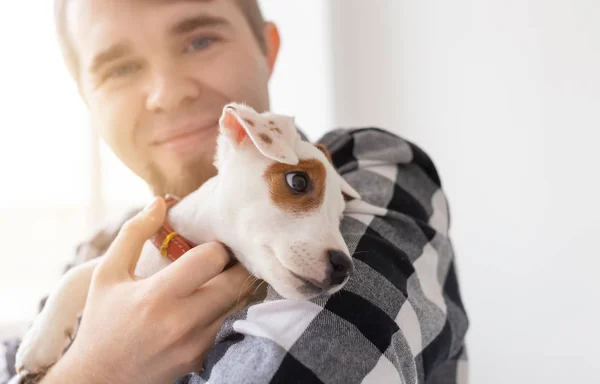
(122, 70)
(199, 44)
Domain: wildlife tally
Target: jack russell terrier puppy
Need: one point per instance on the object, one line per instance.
(276, 203)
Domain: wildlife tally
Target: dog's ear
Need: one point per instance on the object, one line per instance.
(273, 135)
(323, 148)
(348, 192)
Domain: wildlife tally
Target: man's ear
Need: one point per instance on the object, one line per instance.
(272, 43)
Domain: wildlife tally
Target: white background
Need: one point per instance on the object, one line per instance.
(504, 96)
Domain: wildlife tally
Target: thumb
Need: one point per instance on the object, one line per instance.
(124, 252)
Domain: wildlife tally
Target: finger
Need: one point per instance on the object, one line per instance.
(123, 254)
(223, 292)
(194, 268)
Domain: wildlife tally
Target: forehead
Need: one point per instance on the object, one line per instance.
(93, 15)
(95, 25)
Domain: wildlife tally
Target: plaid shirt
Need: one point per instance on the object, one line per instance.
(399, 319)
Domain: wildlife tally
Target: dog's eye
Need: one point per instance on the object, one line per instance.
(298, 181)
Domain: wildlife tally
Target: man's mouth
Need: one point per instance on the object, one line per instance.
(183, 133)
(186, 139)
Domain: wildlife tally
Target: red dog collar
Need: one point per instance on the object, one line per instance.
(171, 244)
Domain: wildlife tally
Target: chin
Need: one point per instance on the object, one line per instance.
(181, 179)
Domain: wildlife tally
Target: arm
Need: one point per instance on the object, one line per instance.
(400, 317)
(149, 330)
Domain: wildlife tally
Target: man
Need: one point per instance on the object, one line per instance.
(155, 75)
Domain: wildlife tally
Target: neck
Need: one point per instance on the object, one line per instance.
(193, 217)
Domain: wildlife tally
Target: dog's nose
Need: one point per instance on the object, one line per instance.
(342, 266)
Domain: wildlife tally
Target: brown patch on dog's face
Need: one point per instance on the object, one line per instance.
(283, 196)
(249, 122)
(323, 148)
(266, 138)
(276, 130)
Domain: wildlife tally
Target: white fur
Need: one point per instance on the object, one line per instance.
(234, 208)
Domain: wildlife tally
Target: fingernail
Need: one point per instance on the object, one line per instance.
(151, 205)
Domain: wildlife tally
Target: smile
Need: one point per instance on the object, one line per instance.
(189, 141)
(184, 134)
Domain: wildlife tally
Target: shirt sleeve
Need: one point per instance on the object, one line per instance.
(400, 317)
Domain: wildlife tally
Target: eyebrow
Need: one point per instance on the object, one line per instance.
(186, 25)
(189, 24)
(111, 54)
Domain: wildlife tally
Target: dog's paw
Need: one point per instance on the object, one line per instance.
(41, 347)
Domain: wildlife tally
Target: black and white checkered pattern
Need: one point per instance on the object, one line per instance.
(400, 318)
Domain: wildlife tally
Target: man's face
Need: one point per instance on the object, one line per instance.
(156, 75)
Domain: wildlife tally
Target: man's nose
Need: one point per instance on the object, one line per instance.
(342, 266)
(169, 90)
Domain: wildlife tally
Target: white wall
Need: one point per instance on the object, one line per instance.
(44, 160)
(505, 96)
(301, 83)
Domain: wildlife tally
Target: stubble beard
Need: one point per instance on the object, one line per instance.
(180, 182)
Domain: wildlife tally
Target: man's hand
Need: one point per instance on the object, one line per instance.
(156, 329)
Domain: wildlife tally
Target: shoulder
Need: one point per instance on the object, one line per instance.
(352, 148)
(391, 173)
